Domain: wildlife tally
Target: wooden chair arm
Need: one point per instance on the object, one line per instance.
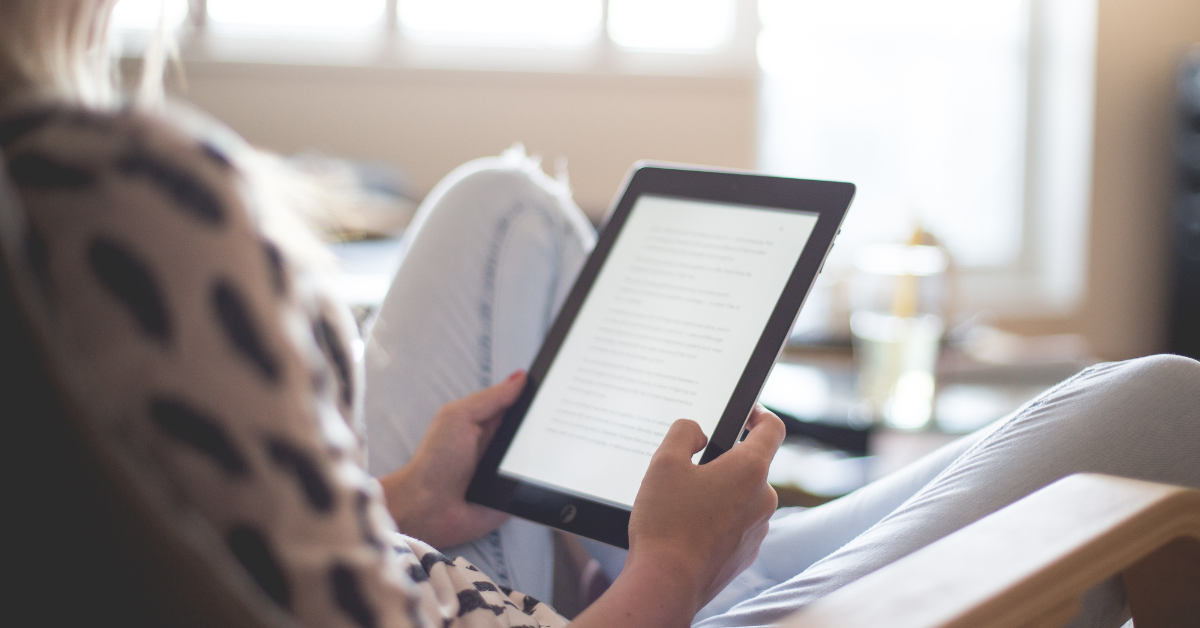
(1027, 565)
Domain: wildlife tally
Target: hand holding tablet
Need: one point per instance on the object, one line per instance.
(676, 494)
(679, 312)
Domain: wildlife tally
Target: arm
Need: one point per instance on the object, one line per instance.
(674, 566)
(694, 527)
(184, 347)
(427, 497)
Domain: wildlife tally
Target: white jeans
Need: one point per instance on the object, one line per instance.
(492, 253)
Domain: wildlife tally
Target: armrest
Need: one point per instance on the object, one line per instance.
(1026, 565)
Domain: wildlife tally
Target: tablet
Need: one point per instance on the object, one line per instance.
(680, 312)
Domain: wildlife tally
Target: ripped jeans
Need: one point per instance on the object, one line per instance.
(491, 255)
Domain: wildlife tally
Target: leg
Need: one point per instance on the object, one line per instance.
(797, 540)
(491, 254)
(1138, 419)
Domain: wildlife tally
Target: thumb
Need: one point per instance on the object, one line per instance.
(766, 432)
(484, 404)
(683, 439)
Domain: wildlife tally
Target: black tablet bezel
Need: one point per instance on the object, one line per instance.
(602, 521)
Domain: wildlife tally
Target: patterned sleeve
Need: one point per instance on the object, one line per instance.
(460, 594)
(219, 372)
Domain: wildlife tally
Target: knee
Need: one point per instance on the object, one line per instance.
(1159, 390)
(1161, 370)
(487, 194)
(498, 179)
(499, 183)
(1150, 389)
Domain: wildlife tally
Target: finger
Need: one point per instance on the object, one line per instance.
(491, 519)
(489, 427)
(683, 439)
(484, 404)
(770, 501)
(756, 415)
(766, 432)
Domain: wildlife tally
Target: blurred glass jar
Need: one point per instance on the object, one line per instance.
(897, 300)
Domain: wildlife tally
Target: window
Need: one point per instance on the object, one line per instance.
(506, 23)
(144, 15)
(969, 119)
(310, 17)
(687, 26)
(921, 103)
(681, 25)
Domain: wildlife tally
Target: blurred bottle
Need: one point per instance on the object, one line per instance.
(898, 297)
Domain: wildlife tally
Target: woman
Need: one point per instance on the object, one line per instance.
(151, 261)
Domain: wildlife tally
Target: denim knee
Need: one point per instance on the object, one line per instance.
(1170, 385)
(1162, 368)
(1113, 410)
(1144, 409)
(1141, 376)
(509, 178)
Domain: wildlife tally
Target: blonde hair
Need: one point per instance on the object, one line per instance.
(62, 47)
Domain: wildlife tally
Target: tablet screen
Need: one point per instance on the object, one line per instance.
(665, 333)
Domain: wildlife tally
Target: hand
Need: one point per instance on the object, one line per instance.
(706, 520)
(427, 497)
(693, 527)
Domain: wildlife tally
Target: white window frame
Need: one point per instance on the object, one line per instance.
(1050, 275)
(388, 47)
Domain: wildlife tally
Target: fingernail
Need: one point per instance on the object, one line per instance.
(515, 374)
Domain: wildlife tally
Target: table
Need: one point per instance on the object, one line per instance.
(833, 448)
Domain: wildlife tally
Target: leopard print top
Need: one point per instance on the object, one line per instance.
(188, 339)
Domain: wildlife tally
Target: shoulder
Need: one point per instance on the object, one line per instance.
(461, 595)
(57, 149)
(171, 199)
(121, 208)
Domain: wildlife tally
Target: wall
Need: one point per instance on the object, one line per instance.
(430, 121)
(1139, 45)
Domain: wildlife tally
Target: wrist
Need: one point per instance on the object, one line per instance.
(683, 571)
(407, 500)
(657, 590)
